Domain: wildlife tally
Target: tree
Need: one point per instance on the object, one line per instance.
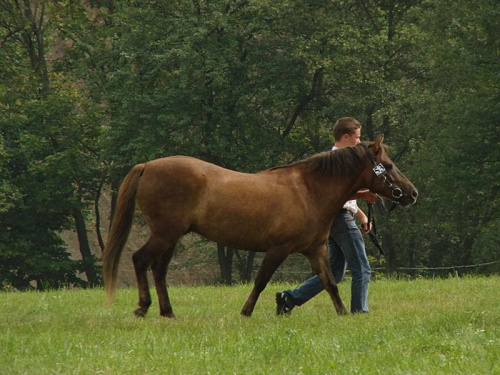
(460, 153)
(49, 141)
(89, 89)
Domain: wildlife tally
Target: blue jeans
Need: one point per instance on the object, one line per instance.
(346, 249)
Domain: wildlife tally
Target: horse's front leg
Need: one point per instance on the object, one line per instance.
(271, 262)
(319, 263)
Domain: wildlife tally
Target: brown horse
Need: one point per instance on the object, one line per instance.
(280, 211)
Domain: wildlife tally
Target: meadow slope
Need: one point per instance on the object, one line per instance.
(441, 326)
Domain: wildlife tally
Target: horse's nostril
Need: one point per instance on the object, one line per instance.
(414, 193)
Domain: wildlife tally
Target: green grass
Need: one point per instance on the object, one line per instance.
(449, 326)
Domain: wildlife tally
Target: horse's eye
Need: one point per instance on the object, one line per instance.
(388, 167)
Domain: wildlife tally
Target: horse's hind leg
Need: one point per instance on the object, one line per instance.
(159, 268)
(270, 263)
(142, 259)
(319, 263)
(156, 253)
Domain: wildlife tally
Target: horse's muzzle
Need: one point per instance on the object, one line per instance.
(406, 199)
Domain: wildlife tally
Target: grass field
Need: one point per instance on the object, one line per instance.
(444, 326)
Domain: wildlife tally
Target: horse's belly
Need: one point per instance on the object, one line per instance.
(235, 232)
(254, 229)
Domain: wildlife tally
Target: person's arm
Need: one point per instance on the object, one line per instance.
(366, 227)
(366, 195)
(371, 198)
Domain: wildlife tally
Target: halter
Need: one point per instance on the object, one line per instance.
(380, 171)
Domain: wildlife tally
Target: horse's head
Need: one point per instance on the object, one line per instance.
(384, 178)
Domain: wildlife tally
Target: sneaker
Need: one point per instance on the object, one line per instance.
(282, 304)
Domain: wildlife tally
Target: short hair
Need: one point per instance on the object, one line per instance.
(345, 125)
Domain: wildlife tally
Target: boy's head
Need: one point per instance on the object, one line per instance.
(347, 131)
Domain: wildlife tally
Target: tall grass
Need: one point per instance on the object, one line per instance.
(449, 326)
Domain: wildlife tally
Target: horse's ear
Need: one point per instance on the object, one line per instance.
(378, 143)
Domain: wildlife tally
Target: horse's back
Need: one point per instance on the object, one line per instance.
(185, 174)
(182, 190)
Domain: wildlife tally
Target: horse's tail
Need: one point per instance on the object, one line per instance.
(120, 229)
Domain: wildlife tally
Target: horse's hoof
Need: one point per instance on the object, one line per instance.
(246, 314)
(140, 313)
(342, 312)
(168, 315)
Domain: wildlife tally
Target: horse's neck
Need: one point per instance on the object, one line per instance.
(334, 190)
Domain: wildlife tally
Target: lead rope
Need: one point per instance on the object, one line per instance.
(373, 233)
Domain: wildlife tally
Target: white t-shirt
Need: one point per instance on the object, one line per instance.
(351, 205)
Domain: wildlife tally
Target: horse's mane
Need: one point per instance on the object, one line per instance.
(342, 161)
(337, 162)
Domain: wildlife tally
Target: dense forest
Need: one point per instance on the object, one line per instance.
(88, 88)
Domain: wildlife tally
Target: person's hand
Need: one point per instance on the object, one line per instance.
(366, 227)
(370, 197)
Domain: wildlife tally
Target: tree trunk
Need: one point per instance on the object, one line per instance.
(83, 241)
(225, 255)
(304, 101)
(97, 212)
(33, 40)
(114, 197)
(390, 255)
(370, 131)
(246, 269)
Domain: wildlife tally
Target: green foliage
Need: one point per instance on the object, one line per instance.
(8, 193)
(210, 84)
(99, 86)
(43, 169)
(49, 146)
(457, 159)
